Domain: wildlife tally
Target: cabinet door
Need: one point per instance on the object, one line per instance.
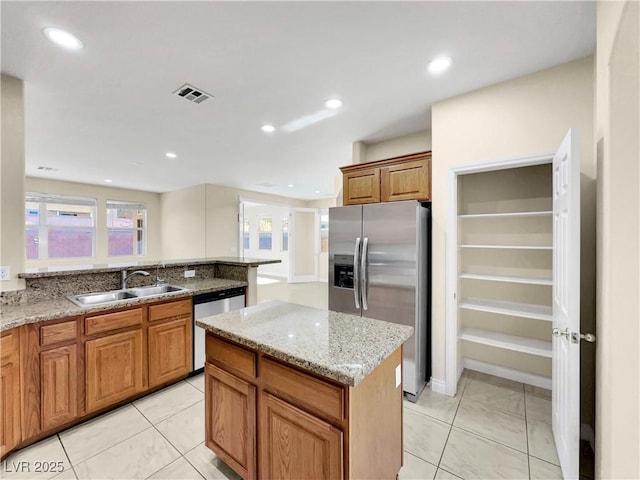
(59, 369)
(114, 368)
(361, 186)
(230, 416)
(10, 433)
(406, 181)
(295, 444)
(169, 351)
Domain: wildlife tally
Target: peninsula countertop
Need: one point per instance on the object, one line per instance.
(339, 346)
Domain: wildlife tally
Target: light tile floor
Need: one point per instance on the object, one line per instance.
(493, 428)
(473, 435)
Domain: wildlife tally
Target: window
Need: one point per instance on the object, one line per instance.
(245, 235)
(285, 234)
(126, 223)
(324, 231)
(59, 226)
(264, 233)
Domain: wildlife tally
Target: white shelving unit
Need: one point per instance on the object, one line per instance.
(504, 275)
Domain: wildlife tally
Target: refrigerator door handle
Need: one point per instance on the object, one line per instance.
(363, 269)
(356, 273)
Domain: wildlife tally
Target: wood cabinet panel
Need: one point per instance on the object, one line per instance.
(114, 368)
(169, 310)
(113, 321)
(170, 348)
(234, 358)
(362, 186)
(10, 423)
(230, 416)
(294, 444)
(310, 392)
(58, 332)
(59, 385)
(406, 181)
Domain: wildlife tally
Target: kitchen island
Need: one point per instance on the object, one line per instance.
(297, 392)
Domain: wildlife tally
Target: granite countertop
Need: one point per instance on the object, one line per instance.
(116, 267)
(30, 312)
(342, 347)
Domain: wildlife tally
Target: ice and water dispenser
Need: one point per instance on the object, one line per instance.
(343, 271)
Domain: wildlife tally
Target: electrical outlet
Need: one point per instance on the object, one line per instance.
(189, 273)
(5, 273)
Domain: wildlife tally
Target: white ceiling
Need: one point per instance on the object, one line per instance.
(108, 110)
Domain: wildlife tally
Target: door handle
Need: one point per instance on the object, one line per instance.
(356, 273)
(363, 266)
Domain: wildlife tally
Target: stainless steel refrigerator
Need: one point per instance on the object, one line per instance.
(379, 267)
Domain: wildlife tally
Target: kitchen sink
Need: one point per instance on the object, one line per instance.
(116, 296)
(154, 290)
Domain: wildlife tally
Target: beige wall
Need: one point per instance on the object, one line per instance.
(394, 147)
(618, 149)
(102, 194)
(183, 223)
(12, 247)
(524, 116)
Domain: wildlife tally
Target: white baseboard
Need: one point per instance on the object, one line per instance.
(587, 433)
(509, 373)
(438, 386)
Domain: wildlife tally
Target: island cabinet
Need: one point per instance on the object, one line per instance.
(268, 419)
(391, 180)
(10, 428)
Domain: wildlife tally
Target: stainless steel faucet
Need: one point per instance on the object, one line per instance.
(125, 277)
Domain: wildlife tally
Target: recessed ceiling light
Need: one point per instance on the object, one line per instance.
(268, 128)
(62, 38)
(290, 185)
(171, 155)
(108, 180)
(333, 103)
(439, 64)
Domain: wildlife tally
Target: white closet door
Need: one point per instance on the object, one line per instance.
(566, 304)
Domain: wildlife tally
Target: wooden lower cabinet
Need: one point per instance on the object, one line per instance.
(230, 416)
(59, 370)
(10, 431)
(170, 347)
(114, 368)
(295, 444)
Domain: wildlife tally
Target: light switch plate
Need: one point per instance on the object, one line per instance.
(5, 273)
(189, 273)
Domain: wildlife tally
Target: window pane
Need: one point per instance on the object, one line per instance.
(32, 213)
(125, 242)
(69, 215)
(324, 232)
(264, 233)
(123, 218)
(245, 235)
(285, 234)
(32, 237)
(70, 242)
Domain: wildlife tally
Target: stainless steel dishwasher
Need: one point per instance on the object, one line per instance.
(208, 304)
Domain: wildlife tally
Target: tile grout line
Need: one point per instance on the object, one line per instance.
(75, 474)
(189, 462)
(526, 431)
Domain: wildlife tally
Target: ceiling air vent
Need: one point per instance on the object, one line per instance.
(48, 169)
(191, 93)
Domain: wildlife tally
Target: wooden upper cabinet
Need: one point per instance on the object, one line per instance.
(59, 368)
(114, 366)
(230, 420)
(395, 179)
(10, 431)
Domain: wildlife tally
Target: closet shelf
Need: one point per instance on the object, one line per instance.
(508, 342)
(525, 310)
(509, 247)
(507, 215)
(507, 278)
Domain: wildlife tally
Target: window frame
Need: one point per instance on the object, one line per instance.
(140, 231)
(260, 218)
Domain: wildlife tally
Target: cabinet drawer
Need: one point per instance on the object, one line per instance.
(171, 309)
(305, 390)
(59, 332)
(112, 321)
(232, 357)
